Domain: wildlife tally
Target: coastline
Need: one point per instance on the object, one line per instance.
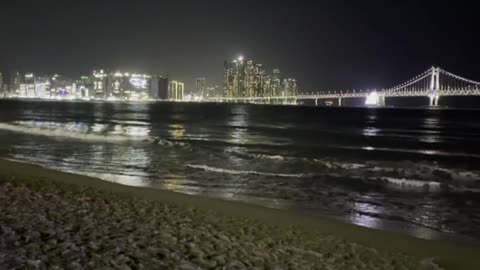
(438, 108)
(450, 255)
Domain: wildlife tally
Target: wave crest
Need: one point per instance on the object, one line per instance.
(240, 172)
(65, 132)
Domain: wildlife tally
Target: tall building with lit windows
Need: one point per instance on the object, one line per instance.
(99, 84)
(15, 81)
(276, 83)
(289, 87)
(200, 86)
(234, 78)
(27, 86)
(243, 78)
(176, 90)
(249, 79)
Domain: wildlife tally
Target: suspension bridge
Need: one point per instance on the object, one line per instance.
(432, 84)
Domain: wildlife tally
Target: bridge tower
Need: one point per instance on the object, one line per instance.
(434, 87)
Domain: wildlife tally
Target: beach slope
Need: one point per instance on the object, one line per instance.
(55, 220)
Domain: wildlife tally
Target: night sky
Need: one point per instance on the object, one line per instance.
(324, 44)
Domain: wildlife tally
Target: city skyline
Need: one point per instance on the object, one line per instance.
(325, 46)
(113, 84)
(98, 85)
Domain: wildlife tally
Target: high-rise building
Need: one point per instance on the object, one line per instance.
(43, 86)
(200, 86)
(116, 83)
(99, 84)
(244, 79)
(289, 87)
(27, 86)
(234, 78)
(248, 79)
(138, 87)
(159, 88)
(176, 90)
(276, 83)
(61, 87)
(15, 81)
(84, 87)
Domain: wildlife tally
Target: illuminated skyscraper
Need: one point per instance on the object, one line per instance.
(276, 83)
(243, 78)
(200, 86)
(99, 84)
(229, 79)
(116, 85)
(84, 87)
(234, 78)
(289, 87)
(27, 86)
(15, 81)
(176, 90)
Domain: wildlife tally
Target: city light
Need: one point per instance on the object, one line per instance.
(100, 85)
(247, 79)
(372, 99)
(139, 83)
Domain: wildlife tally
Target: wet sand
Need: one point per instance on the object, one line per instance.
(51, 219)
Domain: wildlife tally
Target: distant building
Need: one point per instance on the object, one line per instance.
(176, 90)
(248, 79)
(59, 86)
(84, 87)
(214, 91)
(200, 86)
(276, 83)
(289, 87)
(116, 83)
(99, 84)
(234, 78)
(15, 81)
(159, 88)
(27, 86)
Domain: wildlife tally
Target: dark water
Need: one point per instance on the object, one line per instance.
(416, 171)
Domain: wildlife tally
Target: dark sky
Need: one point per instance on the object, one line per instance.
(324, 44)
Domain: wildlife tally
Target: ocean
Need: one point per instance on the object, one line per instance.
(414, 171)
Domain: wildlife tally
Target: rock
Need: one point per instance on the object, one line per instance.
(429, 264)
(196, 252)
(220, 259)
(186, 265)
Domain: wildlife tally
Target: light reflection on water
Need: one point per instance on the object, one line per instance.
(239, 120)
(176, 131)
(370, 132)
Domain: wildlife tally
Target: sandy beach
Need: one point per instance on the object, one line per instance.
(54, 220)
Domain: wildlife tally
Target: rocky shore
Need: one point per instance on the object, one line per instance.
(54, 225)
(47, 226)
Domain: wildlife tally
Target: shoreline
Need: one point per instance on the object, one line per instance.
(397, 227)
(451, 255)
(439, 108)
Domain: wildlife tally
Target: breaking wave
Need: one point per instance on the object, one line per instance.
(72, 133)
(239, 172)
(409, 183)
(255, 155)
